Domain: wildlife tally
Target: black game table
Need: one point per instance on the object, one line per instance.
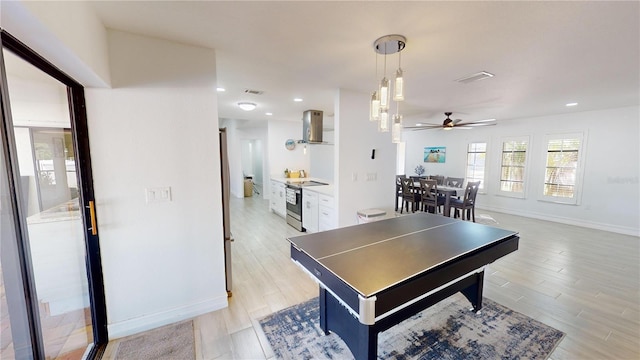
(373, 276)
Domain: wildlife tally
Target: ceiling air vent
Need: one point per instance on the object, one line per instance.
(253, 92)
(475, 77)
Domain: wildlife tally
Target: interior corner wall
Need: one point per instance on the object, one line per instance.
(610, 198)
(162, 261)
(362, 182)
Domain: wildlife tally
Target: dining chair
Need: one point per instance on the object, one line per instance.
(438, 178)
(454, 182)
(399, 188)
(431, 201)
(467, 205)
(409, 195)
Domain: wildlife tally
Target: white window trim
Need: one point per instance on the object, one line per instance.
(523, 194)
(577, 195)
(484, 184)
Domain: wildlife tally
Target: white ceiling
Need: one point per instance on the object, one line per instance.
(543, 54)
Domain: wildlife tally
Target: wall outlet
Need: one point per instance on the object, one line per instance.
(354, 176)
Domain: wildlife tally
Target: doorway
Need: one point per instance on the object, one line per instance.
(252, 155)
(51, 289)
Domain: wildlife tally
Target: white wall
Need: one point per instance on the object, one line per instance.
(279, 157)
(162, 262)
(611, 193)
(322, 157)
(356, 136)
(66, 33)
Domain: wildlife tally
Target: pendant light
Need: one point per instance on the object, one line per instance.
(374, 111)
(383, 124)
(398, 89)
(381, 98)
(396, 129)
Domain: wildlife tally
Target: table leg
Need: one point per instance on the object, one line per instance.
(474, 292)
(361, 339)
(323, 310)
(447, 204)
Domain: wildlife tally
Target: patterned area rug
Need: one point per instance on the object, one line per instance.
(171, 342)
(447, 330)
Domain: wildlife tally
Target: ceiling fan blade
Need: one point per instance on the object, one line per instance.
(476, 124)
(423, 127)
(456, 121)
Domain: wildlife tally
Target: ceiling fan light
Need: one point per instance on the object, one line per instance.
(247, 106)
(398, 90)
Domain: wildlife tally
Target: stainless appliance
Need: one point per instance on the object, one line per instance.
(226, 223)
(294, 201)
(312, 126)
(294, 207)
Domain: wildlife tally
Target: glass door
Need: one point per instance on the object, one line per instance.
(54, 228)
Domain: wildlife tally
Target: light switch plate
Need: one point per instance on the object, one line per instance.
(158, 194)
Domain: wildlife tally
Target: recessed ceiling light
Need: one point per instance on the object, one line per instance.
(297, 99)
(418, 124)
(572, 104)
(268, 114)
(220, 89)
(247, 106)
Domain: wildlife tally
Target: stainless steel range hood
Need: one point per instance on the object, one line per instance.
(312, 126)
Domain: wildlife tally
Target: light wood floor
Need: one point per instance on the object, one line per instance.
(584, 282)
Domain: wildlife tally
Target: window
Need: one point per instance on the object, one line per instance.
(476, 160)
(563, 168)
(512, 169)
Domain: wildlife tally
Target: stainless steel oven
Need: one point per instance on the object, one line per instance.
(294, 207)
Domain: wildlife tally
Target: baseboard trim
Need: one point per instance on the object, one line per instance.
(152, 321)
(567, 221)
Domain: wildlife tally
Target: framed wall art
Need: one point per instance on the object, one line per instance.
(435, 154)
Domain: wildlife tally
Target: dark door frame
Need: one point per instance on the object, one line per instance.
(80, 134)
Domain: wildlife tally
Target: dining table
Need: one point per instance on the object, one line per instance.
(447, 192)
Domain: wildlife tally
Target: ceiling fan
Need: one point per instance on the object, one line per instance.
(449, 124)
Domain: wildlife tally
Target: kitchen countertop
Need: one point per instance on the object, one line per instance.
(320, 189)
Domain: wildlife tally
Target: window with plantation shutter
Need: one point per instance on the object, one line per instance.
(562, 176)
(513, 166)
(476, 163)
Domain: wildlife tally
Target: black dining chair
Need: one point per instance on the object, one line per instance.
(467, 205)
(409, 195)
(438, 178)
(399, 188)
(431, 201)
(454, 182)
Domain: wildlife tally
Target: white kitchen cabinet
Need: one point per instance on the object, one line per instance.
(326, 213)
(310, 210)
(278, 198)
